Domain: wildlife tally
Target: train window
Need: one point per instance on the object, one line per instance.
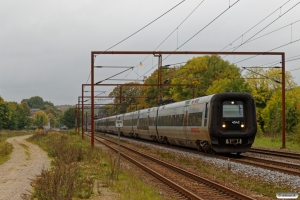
(195, 119)
(233, 109)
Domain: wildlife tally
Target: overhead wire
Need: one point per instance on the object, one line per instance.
(267, 26)
(143, 27)
(197, 33)
(172, 33)
(166, 39)
(268, 51)
(254, 26)
(266, 34)
(139, 31)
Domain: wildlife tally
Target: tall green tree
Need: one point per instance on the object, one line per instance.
(128, 97)
(12, 124)
(5, 113)
(34, 102)
(24, 115)
(68, 118)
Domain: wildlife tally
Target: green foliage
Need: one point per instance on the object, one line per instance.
(264, 83)
(34, 102)
(65, 179)
(19, 116)
(68, 118)
(5, 113)
(128, 100)
(275, 142)
(229, 85)
(40, 119)
(272, 113)
(202, 72)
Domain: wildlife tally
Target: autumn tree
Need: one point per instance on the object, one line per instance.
(264, 84)
(229, 85)
(153, 94)
(128, 97)
(53, 121)
(272, 113)
(40, 119)
(202, 71)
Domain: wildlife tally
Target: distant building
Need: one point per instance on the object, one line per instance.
(33, 111)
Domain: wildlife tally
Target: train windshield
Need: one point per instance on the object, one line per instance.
(233, 109)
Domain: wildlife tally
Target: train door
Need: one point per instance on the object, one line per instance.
(185, 122)
(206, 114)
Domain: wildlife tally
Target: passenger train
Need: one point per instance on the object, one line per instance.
(218, 123)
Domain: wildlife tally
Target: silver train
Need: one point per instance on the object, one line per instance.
(219, 123)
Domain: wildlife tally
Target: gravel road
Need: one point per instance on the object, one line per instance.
(26, 161)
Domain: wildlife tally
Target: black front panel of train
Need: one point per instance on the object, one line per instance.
(232, 119)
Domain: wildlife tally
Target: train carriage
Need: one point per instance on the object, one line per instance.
(127, 124)
(222, 123)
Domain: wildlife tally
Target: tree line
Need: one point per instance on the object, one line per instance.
(210, 75)
(207, 74)
(17, 116)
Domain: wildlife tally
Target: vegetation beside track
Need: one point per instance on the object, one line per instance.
(77, 171)
(5, 147)
(275, 142)
(222, 175)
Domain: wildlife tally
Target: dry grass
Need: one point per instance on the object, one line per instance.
(79, 172)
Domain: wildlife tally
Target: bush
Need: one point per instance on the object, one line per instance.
(65, 179)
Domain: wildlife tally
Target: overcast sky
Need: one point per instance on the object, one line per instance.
(45, 46)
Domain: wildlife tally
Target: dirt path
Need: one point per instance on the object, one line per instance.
(26, 161)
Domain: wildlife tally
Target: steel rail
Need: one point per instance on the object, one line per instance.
(160, 177)
(195, 177)
(275, 153)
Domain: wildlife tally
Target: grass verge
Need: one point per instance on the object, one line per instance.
(275, 142)
(79, 172)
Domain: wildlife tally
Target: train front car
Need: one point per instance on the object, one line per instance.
(232, 126)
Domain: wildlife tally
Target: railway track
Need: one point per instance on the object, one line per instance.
(273, 165)
(287, 168)
(188, 185)
(275, 153)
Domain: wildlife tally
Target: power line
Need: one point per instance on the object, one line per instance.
(208, 24)
(140, 30)
(196, 33)
(276, 62)
(269, 50)
(267, 25)
(144, 27)
(266, 34)
(167, 38)
(254, 26)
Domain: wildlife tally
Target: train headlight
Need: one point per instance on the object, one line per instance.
(224, 125)
(242, 125)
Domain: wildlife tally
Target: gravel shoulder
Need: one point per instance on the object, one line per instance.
(26, 161)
